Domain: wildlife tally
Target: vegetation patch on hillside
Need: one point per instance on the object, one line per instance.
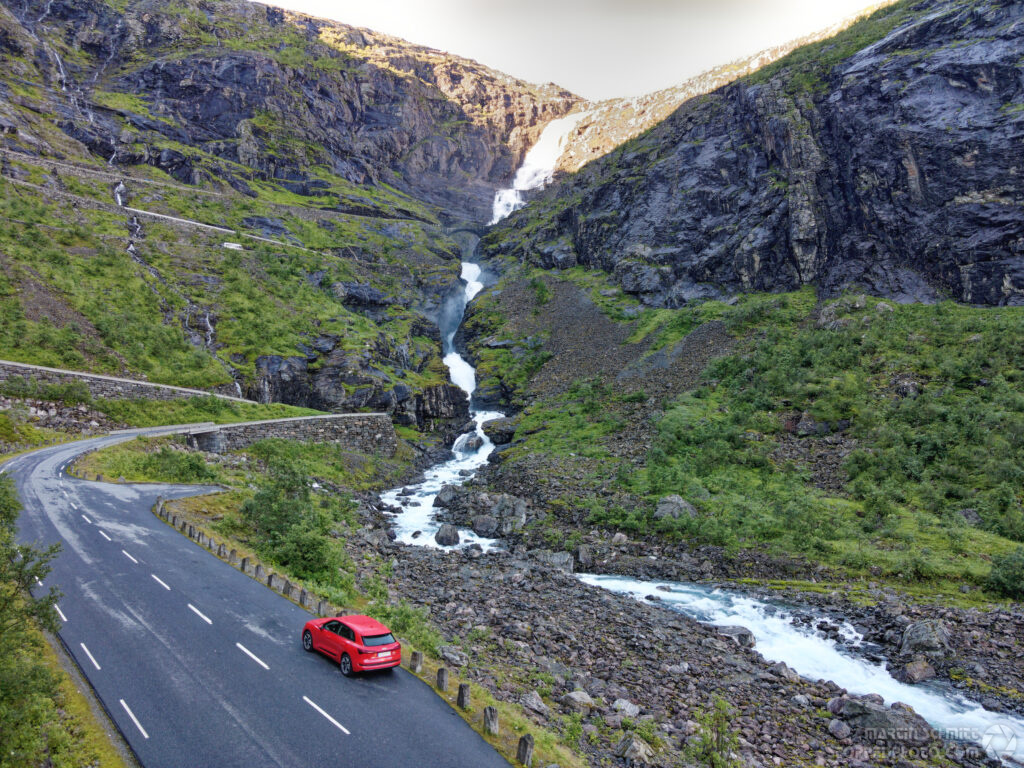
(882, 440)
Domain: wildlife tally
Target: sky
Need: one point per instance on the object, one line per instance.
(596, 48)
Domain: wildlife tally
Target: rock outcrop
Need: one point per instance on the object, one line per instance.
(887, 158)
(299, 93)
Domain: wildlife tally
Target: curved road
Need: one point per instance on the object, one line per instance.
(197, 663)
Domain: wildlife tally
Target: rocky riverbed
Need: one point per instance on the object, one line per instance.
(603, 669)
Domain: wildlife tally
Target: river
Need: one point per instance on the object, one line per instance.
(778, 637)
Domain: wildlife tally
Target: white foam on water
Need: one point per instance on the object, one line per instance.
(820, 658)
(415, 524)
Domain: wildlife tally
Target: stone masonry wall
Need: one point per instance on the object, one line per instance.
(110, 387)
(366, 432)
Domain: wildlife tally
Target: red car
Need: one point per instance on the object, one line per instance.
(359, 643)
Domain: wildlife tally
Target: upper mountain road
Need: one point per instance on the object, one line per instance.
(197, 663)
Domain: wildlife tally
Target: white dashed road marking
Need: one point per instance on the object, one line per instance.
(135, 720)
(341, 727)
(250, 654)
(87, 519)
(90, 656)
(129, 557)
(158, 581)
(199, 613)
(60, 612)
(104, 535)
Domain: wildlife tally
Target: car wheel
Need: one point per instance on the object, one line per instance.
(346, 665)
(307, 640)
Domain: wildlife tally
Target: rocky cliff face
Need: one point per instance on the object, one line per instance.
(336, 155)
(604, 125)
(888, 159)
(275, 95)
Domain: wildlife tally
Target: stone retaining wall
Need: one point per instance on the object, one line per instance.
(110, 387)
(366, 432)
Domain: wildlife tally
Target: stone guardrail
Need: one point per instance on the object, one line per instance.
(109, 387)
(366, 432)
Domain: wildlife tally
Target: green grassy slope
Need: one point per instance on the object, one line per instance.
(882, 440)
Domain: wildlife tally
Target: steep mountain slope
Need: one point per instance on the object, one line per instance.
(604, 125)
(330, 158)
(267, 94)
(886, 158)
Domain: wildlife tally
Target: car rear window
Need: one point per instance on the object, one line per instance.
(372, 640)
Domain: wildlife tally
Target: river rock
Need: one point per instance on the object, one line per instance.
(674, 507)
(930, 637)
(446, 495)
(742, 636)
(472, 442)
(500, 431)
(898, 724)
(918, 670)
(447, 535)
(485, 525)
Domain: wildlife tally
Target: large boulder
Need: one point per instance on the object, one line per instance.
(674, 507)
(534, 703)
(930, 637)
(561, 561)
(742, 636)
(917, 671)
(898, 724)
(447, 535)
(500, 431)
(485, 525)
(634, 750)
(453, 656)
(446, 495)
(578, 701)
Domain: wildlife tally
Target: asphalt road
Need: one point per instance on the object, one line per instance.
(198, 664)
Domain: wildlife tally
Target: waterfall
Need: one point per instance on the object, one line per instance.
(415, 523)
(46, 12)
(819, 658)
(538, 166)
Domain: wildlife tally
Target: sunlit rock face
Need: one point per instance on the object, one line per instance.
(894, 168)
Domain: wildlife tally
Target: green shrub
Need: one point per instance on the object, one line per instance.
(1007, 575)
(30, 730)
(170, 466)
(715, 740)
(70, 393)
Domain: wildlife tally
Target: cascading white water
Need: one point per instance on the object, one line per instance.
(818, 658)
(778, 637)
(538, 166)
(415, 523)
